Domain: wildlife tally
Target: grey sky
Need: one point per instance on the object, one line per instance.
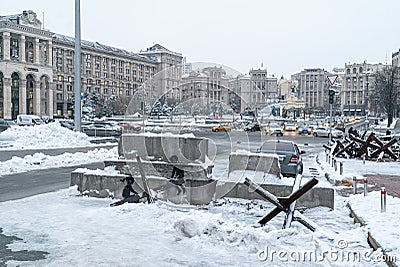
(287, 36)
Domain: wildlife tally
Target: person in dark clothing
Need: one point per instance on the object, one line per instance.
(177, 176)
(128, 189)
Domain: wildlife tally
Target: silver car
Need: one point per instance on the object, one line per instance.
(289, 155)
(324, 132)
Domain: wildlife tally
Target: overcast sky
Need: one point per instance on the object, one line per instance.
(287, 36)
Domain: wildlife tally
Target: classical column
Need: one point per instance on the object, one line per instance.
(37, 51)
(22, 48)
(6, 45)
(50, 100)
(36, 98)
(7, 98)
(50, 54)
(22, 97)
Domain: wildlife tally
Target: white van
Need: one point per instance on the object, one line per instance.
(28, 120)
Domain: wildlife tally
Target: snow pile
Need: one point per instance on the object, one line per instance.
(110, 170)
(51, 135)
(42, 161)
(384, 227)
(259, 177)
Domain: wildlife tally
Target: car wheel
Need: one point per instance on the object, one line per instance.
(315, 134)
(301, 169)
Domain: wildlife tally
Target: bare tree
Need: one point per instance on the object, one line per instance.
(386, 90)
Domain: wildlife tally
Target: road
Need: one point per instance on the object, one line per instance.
(8, 154)
(35, 182)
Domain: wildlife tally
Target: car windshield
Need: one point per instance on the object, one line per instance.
(275, 146)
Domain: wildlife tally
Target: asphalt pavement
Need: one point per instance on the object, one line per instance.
(35, 182)
(8, 154)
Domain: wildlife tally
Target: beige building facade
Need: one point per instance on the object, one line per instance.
(37, 69)
(357, 84)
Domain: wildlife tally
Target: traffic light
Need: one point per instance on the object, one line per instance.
(331, 94)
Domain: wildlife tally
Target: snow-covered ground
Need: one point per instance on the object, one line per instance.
(84, 231)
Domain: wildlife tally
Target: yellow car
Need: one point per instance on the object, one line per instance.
(224, 128)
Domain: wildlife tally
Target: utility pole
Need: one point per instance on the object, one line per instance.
(332, 79)
(77, 81)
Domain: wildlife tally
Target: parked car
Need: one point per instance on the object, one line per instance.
(5, 124)
(324, 132)
(129, 127)
(289, 155)
(29, 120)
(290, 127)
(69, 124)
(252, 127)
(311, 126)
(102, 129)
(274, 129)
(340, 126)
(302, 129)
(224, 128)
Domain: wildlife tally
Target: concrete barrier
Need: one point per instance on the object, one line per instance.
(102, 185)
(188, 148)
(316, 197)
(243, 160)
(201, 172)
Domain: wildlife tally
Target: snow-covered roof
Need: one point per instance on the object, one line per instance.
(99, 46)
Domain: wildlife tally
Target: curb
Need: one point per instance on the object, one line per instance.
(371, 240)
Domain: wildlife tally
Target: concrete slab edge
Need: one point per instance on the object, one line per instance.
(371, 240)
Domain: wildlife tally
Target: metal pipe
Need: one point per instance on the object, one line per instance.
(77, 78)
(354, 185)
(383, 199)
(365, 187)
(341, 168)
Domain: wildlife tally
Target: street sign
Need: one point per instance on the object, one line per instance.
(332, 78)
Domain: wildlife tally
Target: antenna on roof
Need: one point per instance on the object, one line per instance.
(43, 20)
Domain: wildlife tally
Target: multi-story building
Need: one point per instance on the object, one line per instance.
(169, 71)
(37, 69)
(357, 83)
(240, 92)
(313, 88)
(210, 82)
(263, 89)
(396, 64)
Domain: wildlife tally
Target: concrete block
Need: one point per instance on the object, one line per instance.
(260, 162)
(162, 146)
(316, 197)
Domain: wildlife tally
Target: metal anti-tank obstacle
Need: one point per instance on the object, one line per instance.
(285, 204)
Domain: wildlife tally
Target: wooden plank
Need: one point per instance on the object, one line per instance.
(144, 179)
